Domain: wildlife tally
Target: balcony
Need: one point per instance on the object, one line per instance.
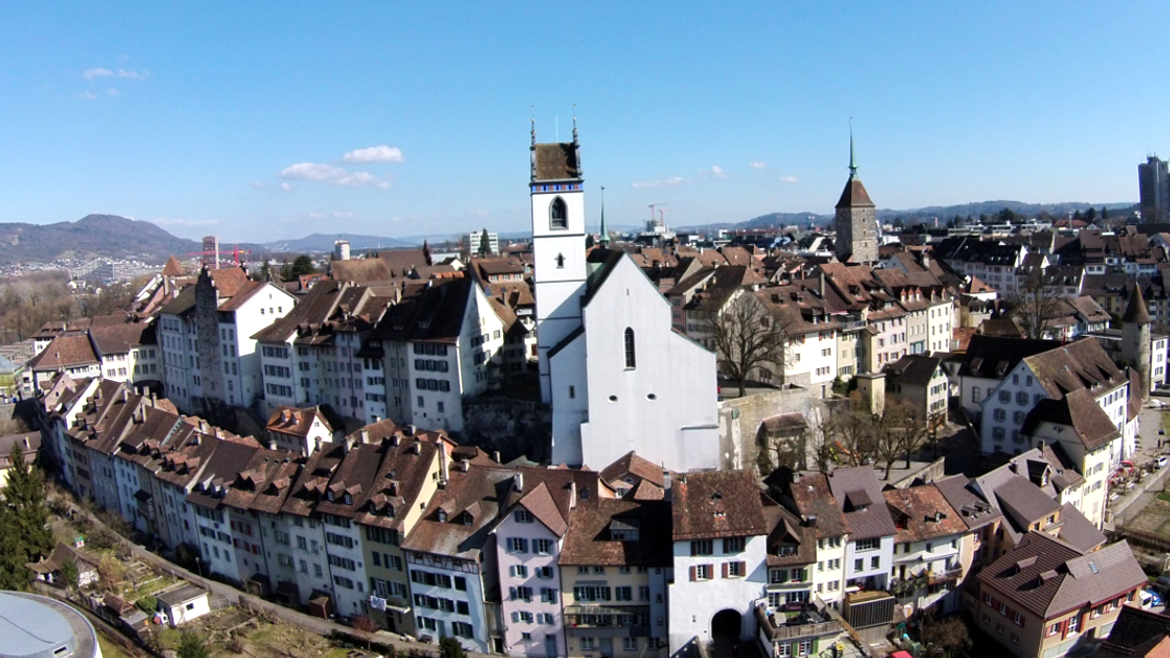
(781, 626)
(606, 620)
(908, 586)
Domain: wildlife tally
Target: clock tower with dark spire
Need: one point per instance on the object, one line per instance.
(856, 220)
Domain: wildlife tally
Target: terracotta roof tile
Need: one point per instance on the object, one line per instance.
(717, 504)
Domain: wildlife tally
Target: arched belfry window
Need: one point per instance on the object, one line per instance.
(558, 214)
(631, 359)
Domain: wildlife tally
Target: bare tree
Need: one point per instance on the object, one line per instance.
(747, 334)
(899, 431)
(1036, 305)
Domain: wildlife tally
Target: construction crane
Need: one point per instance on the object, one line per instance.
(652, 206)
(236, 253)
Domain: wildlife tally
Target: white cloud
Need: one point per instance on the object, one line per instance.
(113, 92)
(285, 186)
(791, 180)
(179, 221)
(258, 185)
(756, 165)
(342, 215)
(101, 72)
(327, 173)
(717, 172)
(87, 96)
(672, 181)
(312, 171)
(381, 153)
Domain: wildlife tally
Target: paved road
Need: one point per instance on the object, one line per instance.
(1132, 503)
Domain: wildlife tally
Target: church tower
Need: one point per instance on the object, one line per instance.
(1135, 340)
(558, 244)
(856, 220)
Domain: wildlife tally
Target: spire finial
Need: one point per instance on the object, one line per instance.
(852, 155)
(604, 239)
(533, 110)
(574, 123)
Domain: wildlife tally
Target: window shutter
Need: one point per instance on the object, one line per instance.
(512, 593)
(693, 573)
(726, 570)
(743, 569)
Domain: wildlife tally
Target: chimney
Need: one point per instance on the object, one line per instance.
(812, 520)
(125, 396)
(518, 483)
(377, 418)
(496, 456)
(572, 494)
(464, 465)
(365, 434)
(443, 466)
(411, 430)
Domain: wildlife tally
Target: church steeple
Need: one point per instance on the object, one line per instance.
(604, 239)
(852, 154)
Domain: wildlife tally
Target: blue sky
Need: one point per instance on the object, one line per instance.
(260, 121)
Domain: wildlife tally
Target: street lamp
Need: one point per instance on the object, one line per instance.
(199, 566)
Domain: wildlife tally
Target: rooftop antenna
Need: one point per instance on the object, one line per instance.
(532, 109)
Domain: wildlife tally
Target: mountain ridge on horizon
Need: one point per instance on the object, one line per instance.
(113, 236)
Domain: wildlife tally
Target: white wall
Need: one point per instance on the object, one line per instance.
(694, 604)
(665, 407)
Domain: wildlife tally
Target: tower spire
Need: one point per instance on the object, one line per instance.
(574, 123)
(604, 239)
(852, 155)
(533, 110)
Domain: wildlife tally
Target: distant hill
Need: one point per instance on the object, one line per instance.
(802, 219)
(320, 242)
(91, 236)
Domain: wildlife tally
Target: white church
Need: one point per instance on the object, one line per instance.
(616, 374)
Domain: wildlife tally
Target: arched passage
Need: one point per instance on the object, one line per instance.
(725, 630)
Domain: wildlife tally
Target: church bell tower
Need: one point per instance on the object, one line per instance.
(558, 244)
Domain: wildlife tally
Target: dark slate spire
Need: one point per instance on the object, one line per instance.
(604, 239)
(1136, 311)
(852, 155)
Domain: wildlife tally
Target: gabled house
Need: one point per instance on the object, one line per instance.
(720, 539)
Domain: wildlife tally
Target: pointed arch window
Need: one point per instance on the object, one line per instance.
(631, 357)
(558, 214)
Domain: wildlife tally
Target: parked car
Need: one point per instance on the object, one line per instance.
(1162, 585)
(1149, 598)
(1161, 461)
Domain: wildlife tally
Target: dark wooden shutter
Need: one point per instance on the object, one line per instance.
(693, 576)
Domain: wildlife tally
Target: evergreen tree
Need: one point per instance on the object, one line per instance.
(24, 517)
(1104, 212)
(485, 244)
(303, 265)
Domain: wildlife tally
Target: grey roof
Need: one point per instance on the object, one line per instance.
(1078, 531)
(181, 595)
(993, 357)
(975, 511)
(1024, 503)
(859, 497)
(914, 369)
(36, 627)
(1072, 579)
